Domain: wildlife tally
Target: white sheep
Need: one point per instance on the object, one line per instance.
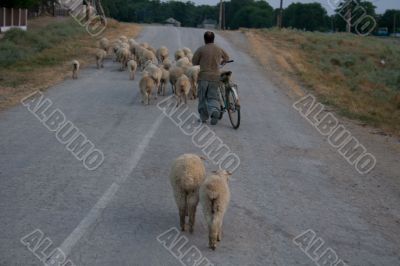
(123, 39)
(164, 81)
(179, 54)
(155, 72)
(124, 56)
(187, 51)
(132, 66)
(145, 45)
(193, 74)
(146, 86)
(167, 63)
(174, 74)
(104, 44)
(162, 54)
(100, 55)
(190, 57)
(184, 63)
(187, 174)
(182, 89)
(145, 56)
(214, 199)
(75, 69)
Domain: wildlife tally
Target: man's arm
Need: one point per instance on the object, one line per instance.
(196, 58)
(224, 55)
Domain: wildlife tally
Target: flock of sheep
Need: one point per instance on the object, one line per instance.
(190, 185)
(188, 175)
(158, 69)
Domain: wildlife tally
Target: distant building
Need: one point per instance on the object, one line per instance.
(172, 22)
(209, 24)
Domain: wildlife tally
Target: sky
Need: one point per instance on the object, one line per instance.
(381, 5)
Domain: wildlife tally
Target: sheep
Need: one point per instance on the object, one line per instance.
(104, 44)
(123, 38)
(184, 63)
(146, 55)
(132, 66)
(214, 199)
(186, 51)
(100, 55)
(151, 49)
(132, 43)
(155, 72)
(124, 56)
(182, 89)
(179, 54)
(174, 74)
(145, 45)
(167, 64)
(75, 69)
(193, 74)
(186, 176)
(164, 81)
(146, 86)
(162, 54)
(190, 57)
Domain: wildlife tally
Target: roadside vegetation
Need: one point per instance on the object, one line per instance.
(41, 57)
(358, 76)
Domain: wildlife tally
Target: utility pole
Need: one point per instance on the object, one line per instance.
(394, 22)
(220, 15)
(280, 15)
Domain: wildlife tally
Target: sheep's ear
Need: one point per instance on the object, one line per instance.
(229, 173)
(215, 172)
(203, 158)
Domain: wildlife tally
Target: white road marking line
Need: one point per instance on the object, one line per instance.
(108, 196)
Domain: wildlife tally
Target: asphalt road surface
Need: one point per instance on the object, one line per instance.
(290, 179)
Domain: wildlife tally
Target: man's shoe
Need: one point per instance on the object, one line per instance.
(215, 117)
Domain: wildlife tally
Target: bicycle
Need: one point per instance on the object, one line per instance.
(229, 97)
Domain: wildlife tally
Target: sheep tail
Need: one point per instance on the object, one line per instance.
(213, 210)
(186, 204)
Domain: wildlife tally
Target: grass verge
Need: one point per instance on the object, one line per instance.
(358, 76)
(40, 57)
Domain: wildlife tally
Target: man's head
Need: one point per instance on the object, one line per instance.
(209, 37)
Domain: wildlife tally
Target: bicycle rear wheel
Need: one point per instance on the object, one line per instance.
(233, 108)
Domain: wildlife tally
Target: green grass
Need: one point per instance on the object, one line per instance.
(18, 46)
(346, 71)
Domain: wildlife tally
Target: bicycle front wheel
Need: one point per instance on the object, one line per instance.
(233, 107)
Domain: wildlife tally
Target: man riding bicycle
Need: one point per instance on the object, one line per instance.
(209, 57)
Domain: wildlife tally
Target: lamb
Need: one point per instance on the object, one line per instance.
(179, 54)
(155, 72)
(186, 176)
(174, 74)
(182, 89)
(193, 74)
(132, 66)
(164, 81)
(162, 54)
(190, 57)
(146, 86)
(75, 69)
(214, 199)
(151, 49)
(104, 44)
(100, 55)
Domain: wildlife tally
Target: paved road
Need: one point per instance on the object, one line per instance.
(290, 179)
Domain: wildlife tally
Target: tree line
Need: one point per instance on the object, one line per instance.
(238, 13)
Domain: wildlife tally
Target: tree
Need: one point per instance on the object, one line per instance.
(390, 19)
(310, 17)
(350, 12)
